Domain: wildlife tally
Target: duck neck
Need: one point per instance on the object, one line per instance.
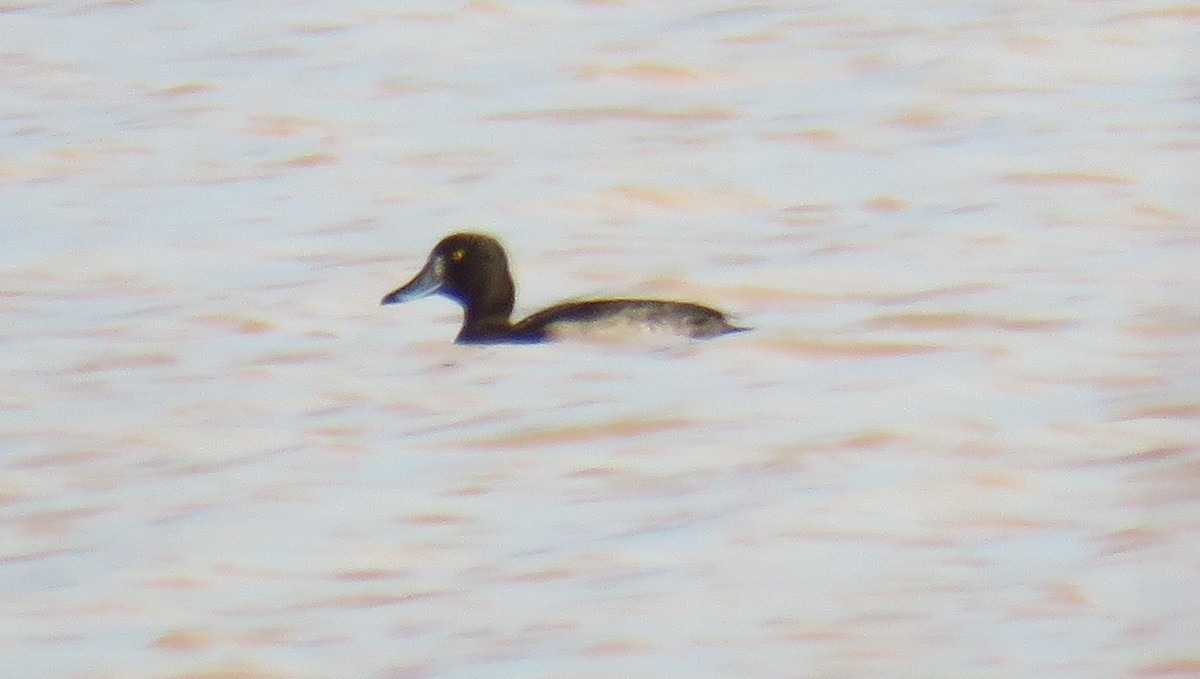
(489, 307)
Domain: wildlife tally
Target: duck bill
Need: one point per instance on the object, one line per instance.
(428, 281)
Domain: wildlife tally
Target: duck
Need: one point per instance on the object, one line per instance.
(472, 269)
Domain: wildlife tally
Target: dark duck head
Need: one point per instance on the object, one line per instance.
(472, 269)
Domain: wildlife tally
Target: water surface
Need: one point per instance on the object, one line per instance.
(961, 442)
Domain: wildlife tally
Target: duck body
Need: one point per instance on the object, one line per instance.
(472, 269)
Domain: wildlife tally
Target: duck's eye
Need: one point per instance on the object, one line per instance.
(457, 255)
